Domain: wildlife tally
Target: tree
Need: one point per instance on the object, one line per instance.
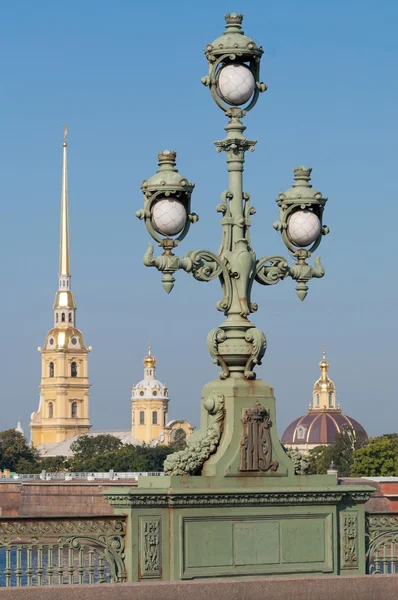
(15, 454)
(54, 464)
(121, 458)
(378, 458)
(340, 453)
(88, 451)
(179, 440)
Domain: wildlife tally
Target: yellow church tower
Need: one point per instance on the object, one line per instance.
(149, 405)
(150, 410)
(64, 387)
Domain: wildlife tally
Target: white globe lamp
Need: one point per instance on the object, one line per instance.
(303, 228)
(235, 84)
(168, 216)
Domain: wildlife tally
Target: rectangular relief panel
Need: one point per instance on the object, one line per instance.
(307, 540)
(349, 540)
(207, 543)
(256, 543)
(150, 548)
(214, 546)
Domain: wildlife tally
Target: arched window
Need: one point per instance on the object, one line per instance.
(330, 399)
(56, 317)
(133, 418)
(73, 410)
(164, 418)
(154, 418)
(73, 369)
(70, 317)
(63, 317)
(142, 417)
(51, 370)
(317, 399)
(50, 410)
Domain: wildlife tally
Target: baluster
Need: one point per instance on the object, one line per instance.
(81, 565)
(70, 564)
(8, 566)
(377, 570)
(392, 558)
(50, 566)
(18, 570)
(40, 564)
(101, 569)
(29, 566)
(60, 569)
(90, 566)
(385, 560)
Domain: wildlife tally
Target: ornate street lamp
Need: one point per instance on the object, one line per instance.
(234, 83)
(233, 503)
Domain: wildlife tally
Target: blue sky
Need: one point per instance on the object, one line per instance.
(125, 77)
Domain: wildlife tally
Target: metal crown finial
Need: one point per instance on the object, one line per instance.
(167, 156)
(234, 19)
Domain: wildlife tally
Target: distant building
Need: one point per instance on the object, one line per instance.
(63, 412)
(323, 421)
(63, 409)
(150, 410)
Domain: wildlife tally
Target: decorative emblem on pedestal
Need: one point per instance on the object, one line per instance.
(256, 447)
(349, 540)
(151, 539)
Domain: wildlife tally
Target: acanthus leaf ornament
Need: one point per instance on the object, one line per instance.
(259, 346)
(214, 338)
(191, 460)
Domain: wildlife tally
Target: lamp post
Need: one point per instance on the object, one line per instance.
(234, 82)
(233, 502)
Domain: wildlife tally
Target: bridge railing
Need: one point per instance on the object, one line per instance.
(61, 550)
(89, 476)
(382, 543)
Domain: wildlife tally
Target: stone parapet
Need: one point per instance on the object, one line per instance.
(309, 588)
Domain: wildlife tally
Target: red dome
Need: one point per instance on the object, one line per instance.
(320, 427)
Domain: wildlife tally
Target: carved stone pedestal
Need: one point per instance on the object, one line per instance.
(233, 506)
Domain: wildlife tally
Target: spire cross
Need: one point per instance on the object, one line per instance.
(323, 350)
(149, 347)
(65, 131)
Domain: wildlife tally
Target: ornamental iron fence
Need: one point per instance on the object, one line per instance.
(382, 543)
(59, 550)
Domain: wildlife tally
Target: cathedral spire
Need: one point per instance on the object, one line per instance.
(64, 257)
(64, 305)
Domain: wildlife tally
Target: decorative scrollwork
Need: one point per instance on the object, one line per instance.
(206, 266)
(259, 345)
(214, 338)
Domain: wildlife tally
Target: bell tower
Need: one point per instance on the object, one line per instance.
(149, 405)
(64, 387)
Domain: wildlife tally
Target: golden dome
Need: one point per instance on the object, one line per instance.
(61, 338)
(149, 360)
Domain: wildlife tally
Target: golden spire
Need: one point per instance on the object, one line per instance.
(324, 365)
(64, 258)
(149, 360)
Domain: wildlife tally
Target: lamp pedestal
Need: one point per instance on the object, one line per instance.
(247, 513)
